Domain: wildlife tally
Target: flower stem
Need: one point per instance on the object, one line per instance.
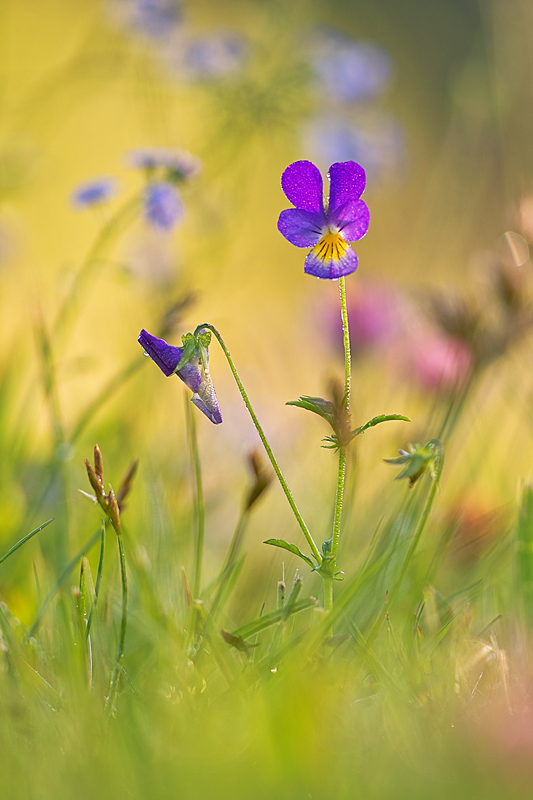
(347, 349)
(200, 507)
(328, 593)
(113, 687)
(341, 475)
(305, 530)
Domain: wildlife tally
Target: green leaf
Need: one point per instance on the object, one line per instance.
(376, 421)
(189, 350)
(25, 539)
(292, 548)
(237, 641)
(324, 408)
(267, 620)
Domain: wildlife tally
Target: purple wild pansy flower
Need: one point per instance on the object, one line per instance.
(193, 374)
(163, 207)
(93, 192)
(326, 230)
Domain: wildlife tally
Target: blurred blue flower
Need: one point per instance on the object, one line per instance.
(350, 71)
(153, 18)
(179, 162)
(93, 192)
(163, 206)
(376, 141)
(195, 374)
(214, 55)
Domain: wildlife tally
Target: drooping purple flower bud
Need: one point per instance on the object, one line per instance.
(163, 207)
(93, 192)
(193, 374)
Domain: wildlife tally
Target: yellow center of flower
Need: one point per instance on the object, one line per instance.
(331, 245)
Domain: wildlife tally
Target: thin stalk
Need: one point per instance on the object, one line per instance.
(229, 562)
(328, 593)
(108, 234)
(103, 396)
(305, 530)
(25, 539)
(414, 544)
(113, 687)
(98, 580)
(347, 349)
(341, 475)
(199, 498)
(64, 574)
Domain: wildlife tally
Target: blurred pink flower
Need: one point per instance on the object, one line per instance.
(374, 317)
(437, 362)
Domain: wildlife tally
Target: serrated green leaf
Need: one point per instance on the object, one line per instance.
(292, 548)
(377, 420)
(324, 408)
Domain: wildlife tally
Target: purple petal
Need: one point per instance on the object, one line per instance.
(165, 355)
(302, 184)
(331, 268)
(352, 220)
(191, 375)
(206, 401)
(347, 182)
(301, 228)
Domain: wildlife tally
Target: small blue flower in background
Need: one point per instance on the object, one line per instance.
(215, 55)
(179, 162)
(326, 231)
(350, 71)
(163, 206)
(194, 374)
(155, 19)
(375, 140)
(93, 192)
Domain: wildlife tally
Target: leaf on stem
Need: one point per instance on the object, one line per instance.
(292, 548)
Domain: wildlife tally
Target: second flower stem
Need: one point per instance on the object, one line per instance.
(301, 522)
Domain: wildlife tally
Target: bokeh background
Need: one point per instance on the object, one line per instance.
(432, 97)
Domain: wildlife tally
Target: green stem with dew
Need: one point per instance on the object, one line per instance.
(341, 475)
(305, 530)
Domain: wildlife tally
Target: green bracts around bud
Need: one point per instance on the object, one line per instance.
(417, 460)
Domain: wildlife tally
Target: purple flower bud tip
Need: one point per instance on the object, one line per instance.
(165, 355)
